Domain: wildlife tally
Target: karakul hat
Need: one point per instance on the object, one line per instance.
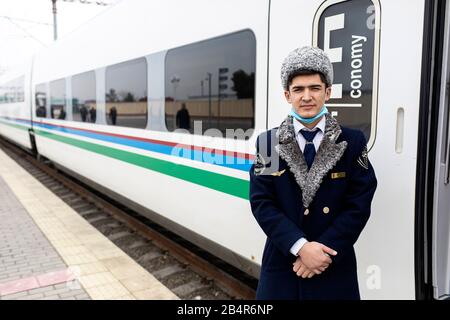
(306, 58)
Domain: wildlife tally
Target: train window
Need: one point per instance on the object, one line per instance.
(41, 100)
(126, 94)
(58, 99)
(211, 82)
(84, 104)
(3, 93)
(349, 32)
(19, 89)
(13, 91)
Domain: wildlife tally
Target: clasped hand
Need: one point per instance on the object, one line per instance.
(313, 258)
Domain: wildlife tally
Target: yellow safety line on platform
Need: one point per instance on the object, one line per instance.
(102, 268)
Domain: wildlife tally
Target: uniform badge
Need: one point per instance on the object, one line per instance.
(363, 159)
(260, 164)
(337, 175)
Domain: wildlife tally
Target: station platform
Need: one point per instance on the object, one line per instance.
(49, 252)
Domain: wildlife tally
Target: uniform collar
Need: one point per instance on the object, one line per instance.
(328, 154)
(299, 126)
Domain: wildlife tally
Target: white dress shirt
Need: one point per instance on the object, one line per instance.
(301, 139)
(302, 142)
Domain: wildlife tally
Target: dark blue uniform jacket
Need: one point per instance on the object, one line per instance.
(329, 204)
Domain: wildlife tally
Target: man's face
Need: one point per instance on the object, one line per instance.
(307, 94)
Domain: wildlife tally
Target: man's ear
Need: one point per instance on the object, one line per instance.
(287, 95)
(327, 93)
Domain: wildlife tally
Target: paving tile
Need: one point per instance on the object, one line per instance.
(89, 268)
(108, 291)
(18, 286)
(138, 283)
(128, 271)
(55, 277)
(157, 293)
(97, 279)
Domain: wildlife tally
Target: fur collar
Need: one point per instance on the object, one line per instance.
(326, 157)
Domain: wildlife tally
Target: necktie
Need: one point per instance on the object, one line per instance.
(310, 150)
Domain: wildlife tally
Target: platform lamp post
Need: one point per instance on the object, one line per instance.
(222, 86)
(55, 28)
(209, 97)
(175, 80)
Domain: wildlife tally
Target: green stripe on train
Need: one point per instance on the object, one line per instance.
(230, 185)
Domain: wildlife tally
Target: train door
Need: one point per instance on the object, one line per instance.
(376, 50)
(440, 223)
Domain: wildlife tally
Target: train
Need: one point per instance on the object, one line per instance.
(158, 104)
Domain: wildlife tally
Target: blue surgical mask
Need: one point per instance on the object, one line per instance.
(323, 111)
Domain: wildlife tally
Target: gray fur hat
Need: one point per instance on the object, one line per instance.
(306, 58)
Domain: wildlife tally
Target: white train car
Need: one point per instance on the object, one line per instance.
(15, 105)
(138, 101)
(131, 58)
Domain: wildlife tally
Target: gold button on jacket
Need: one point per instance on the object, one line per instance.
(326, 210)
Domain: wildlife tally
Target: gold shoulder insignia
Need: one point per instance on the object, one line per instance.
(363, 159)
(278, 173)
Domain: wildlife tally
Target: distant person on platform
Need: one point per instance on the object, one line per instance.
(93, 114)
(83, 113)
(113, 115)
(41, 112)
(62, 114)
(183, 120)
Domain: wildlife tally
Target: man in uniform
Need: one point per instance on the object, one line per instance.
(311, 188)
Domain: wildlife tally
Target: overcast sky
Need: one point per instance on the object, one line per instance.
(26, 26)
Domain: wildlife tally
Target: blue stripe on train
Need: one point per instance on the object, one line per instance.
(202, 156)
